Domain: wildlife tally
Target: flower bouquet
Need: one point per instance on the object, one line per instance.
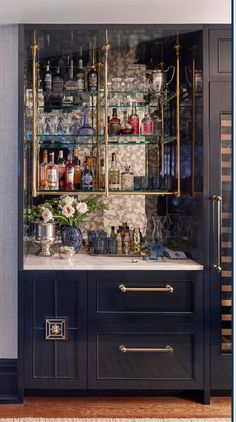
(69, 212)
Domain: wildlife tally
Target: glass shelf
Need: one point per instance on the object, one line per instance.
(78, 107)
(102, 192)
(57, 141)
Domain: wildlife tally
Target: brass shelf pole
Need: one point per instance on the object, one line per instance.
(106, 48)
(34, 124)
(177, 49)
(193, 121)
(98, 118)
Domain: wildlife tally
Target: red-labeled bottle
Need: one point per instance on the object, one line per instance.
(134, 121)
(69, 174)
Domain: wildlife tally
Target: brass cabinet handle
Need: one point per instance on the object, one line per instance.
(167, 288)
(216, 199)
(166, 349)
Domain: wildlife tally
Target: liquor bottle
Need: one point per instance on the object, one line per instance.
(77, 175)
(86, 129)
(134, 121)
(126, 128)
(57, 87)
(114, 124)
(43, 171)
(126, 242)
(80, 77)
(61, 164)
(118, 243)
(47, 79)
(52, 173)
(114, 174)
(113, 233)
(70, 84)
(92, 77)
(69, 174)
(147, 124)
(86, 178)
(102, 174)
(57, 82)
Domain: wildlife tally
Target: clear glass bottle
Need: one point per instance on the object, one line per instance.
(134, 120)
(43, 171)
(114, 124)
(114, 174)
(77, 174)
(126, 128)
(61, 164)
(80, 77)
(127, 179)
(52, 174)
(70, 84)
(102, 174)
(86, 178)
(126, 242)
(86, 129)
(69, 174)
(147, 124)
(118, 243)
(113, 233)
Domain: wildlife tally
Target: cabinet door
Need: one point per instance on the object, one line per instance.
(221, 233)
(139, 356)
(220, 54)
(55, 330)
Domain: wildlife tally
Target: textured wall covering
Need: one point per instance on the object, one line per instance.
(8, 189)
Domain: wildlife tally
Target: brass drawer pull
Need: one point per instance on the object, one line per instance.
(167, 289)
(166, 349)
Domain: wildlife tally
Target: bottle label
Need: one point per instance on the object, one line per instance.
(148, 127)
(57, 84)
(48, 82)
(52, 178)
(127, 181)
(70, 175)
(80, 84)
(92, 81)
(114, 128)
(114, 179)
(87, 181)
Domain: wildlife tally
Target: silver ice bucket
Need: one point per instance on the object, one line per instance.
(45, 234)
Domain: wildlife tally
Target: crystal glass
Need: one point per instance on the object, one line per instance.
(60, 126)
(129, 84)
(116, 84)
(86, 129)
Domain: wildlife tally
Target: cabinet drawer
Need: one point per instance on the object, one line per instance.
(144, 356)
(120, 294)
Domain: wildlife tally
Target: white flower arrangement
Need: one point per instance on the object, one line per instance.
(66, 210)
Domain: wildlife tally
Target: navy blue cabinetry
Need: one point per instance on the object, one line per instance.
(55, 342)
(145, 330)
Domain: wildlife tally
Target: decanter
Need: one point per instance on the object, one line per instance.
(86, 129)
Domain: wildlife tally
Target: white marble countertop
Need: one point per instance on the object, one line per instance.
(83, 261)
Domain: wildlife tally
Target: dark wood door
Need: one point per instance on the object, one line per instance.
(55, 343)
(221, 233)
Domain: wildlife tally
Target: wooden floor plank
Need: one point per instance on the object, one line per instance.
(118, 407)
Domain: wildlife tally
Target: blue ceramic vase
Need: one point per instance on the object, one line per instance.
(72, 236)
